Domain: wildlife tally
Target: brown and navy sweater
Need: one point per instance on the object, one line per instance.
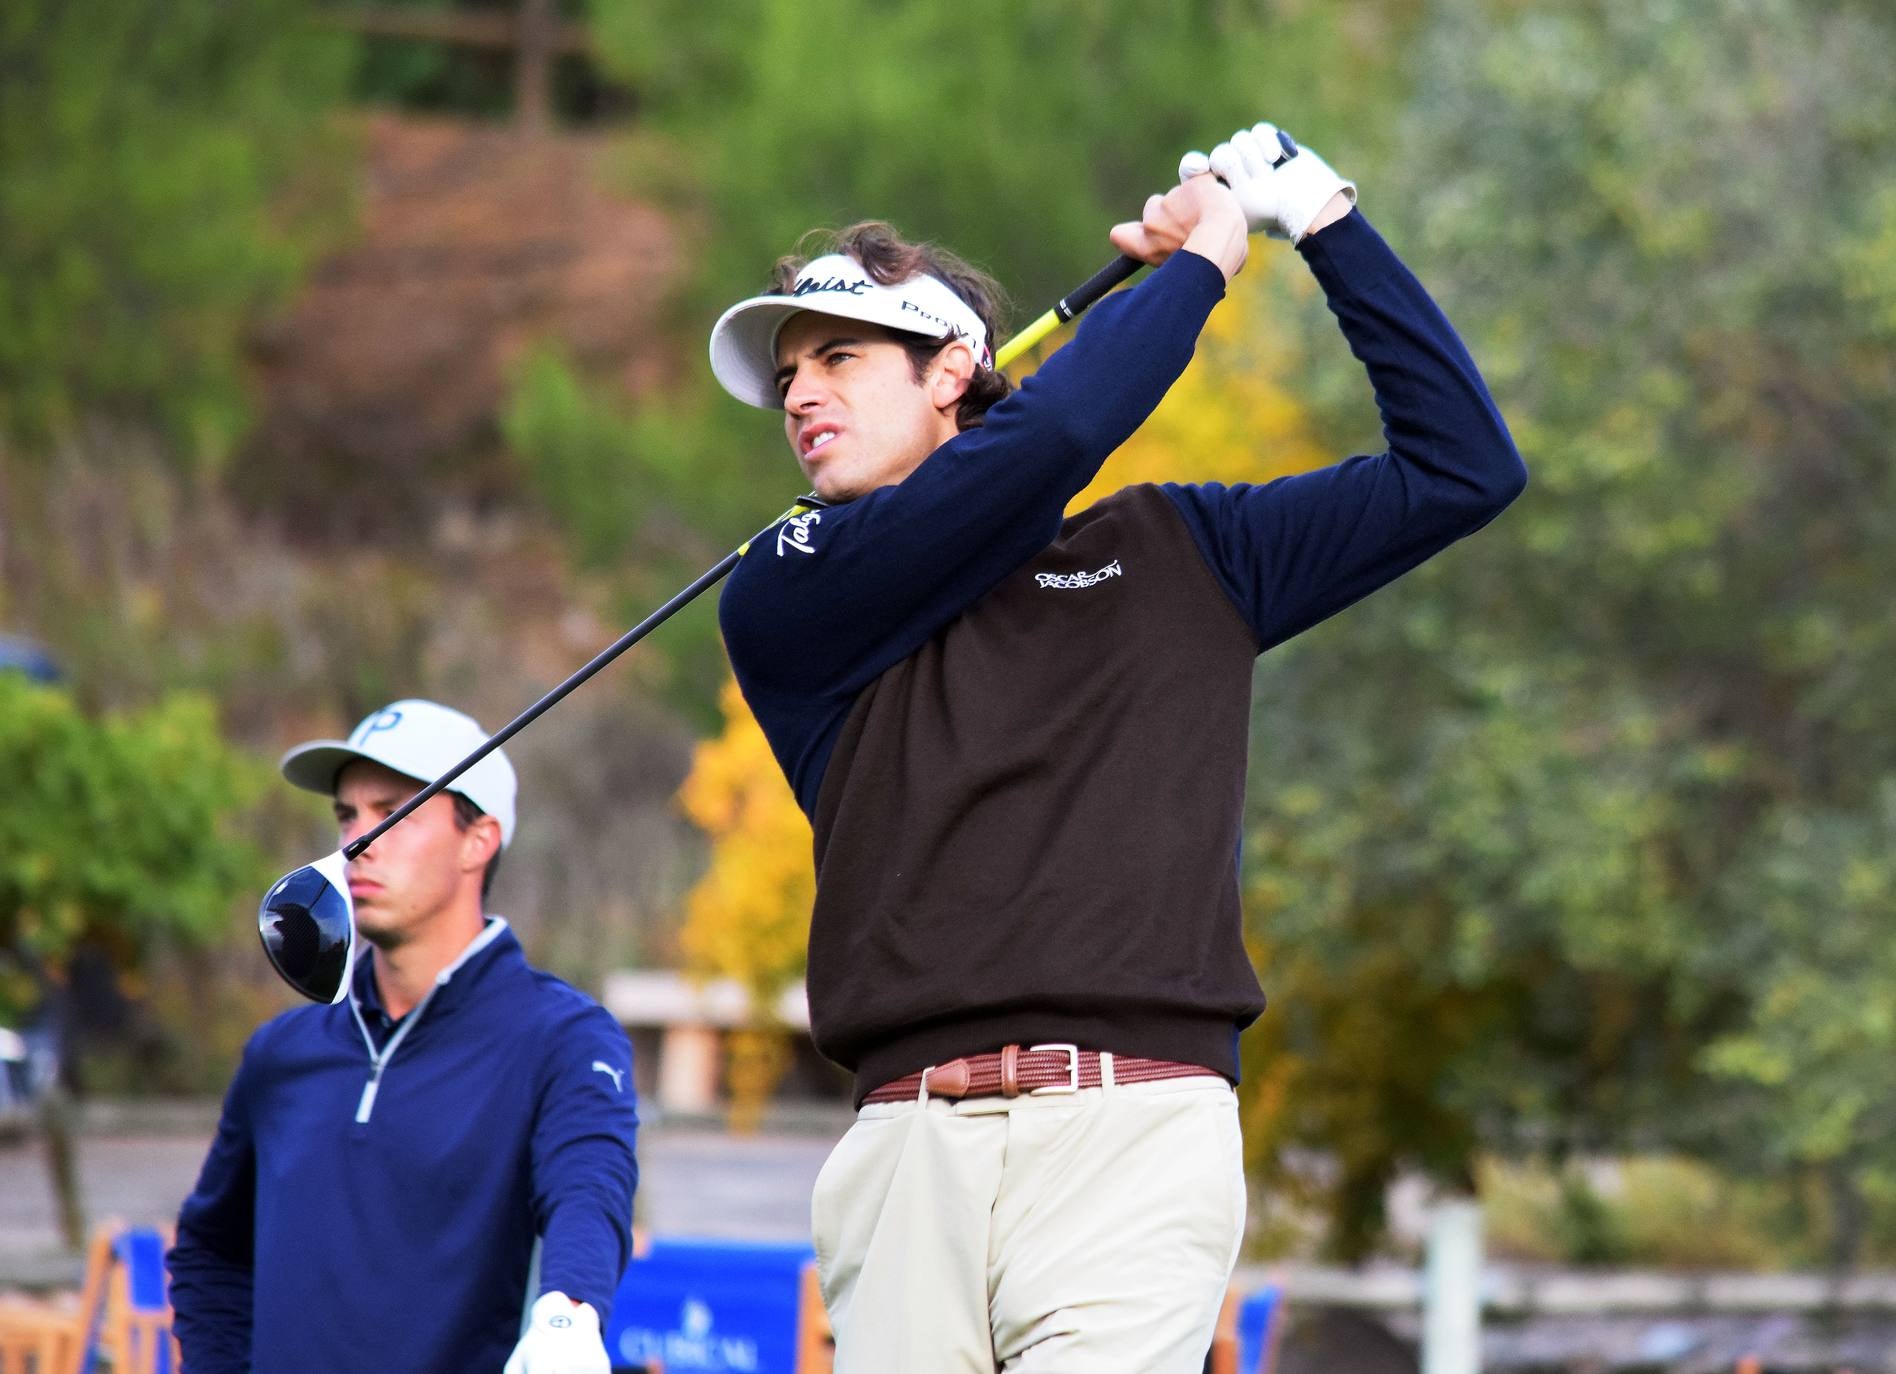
(1021, 739)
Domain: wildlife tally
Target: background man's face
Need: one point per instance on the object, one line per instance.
(855, 416)
(410, 875)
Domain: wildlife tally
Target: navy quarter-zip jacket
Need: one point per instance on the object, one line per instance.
(373, 1201)
(1021, 738)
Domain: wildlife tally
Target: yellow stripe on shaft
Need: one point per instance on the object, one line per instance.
(798, 509)
(1026, 339)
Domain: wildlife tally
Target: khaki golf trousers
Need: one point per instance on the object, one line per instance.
(1077, 1233)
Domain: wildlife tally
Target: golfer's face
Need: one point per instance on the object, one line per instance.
(412, 872)
(855, 416)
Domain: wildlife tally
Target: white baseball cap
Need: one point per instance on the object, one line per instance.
(422, 739)
(744, 340)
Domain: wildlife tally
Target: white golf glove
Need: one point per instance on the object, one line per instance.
(562, 1338)
(1280, 193)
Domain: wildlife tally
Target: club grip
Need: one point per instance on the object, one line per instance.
(1096, 286)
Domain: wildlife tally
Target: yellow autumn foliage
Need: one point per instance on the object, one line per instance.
(748, 917)
(1228, 420)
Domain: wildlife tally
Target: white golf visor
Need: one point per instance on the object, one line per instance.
(744, 340)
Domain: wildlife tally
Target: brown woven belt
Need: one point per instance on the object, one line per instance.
(1038, 1071)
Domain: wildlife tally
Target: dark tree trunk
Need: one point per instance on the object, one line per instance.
(58, 1114)
(58, 1127)
(1847, 1215)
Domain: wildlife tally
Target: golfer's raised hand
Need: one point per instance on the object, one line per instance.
(1199, 214)
(1284, 196)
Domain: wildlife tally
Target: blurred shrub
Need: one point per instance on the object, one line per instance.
(1664, 1211)
(162, 179)
(119, 832)
(1015, 134)
(617, 475)
(645, 496)
(576, 444)
(1608, 785)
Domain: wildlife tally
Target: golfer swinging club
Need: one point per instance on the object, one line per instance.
(1021, 742)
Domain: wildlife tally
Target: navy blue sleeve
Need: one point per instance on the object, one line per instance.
(583, 1161)
(1292, 552)
(812, 615)
(211, 1262)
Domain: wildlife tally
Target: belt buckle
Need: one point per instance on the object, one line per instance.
(1072, 1085)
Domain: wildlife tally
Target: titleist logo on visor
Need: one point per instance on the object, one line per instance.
(809, 286)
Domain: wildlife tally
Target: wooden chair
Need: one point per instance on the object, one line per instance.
(38, 1339)
(816, 1343)
(51, 1337)
(1249, 1323)
(136, 1332)
(1223, 1356)
(142, 1343)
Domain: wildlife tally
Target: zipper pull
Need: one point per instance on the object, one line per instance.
(367, 1104)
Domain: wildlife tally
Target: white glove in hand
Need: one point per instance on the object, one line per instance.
(562, 1338)
(1280, 194)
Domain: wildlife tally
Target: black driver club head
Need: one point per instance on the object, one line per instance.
(307, 924)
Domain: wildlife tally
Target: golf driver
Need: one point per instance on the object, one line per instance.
(307, 920)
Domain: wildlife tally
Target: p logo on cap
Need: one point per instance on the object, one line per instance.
(381, 720)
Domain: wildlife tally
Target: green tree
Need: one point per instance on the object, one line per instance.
(118, 831)
(1608, 784)
(1817, 957)
(159, 186)
(115, 833)
(1016, 135)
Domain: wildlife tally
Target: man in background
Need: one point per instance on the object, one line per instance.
(397, 1178)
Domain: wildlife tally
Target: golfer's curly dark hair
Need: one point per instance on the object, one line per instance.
(889, 258)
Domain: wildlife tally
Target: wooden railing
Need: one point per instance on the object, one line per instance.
(534, 33)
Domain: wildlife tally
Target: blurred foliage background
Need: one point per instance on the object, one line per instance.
(329, 374)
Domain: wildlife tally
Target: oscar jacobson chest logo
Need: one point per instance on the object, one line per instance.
(1078, 581)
